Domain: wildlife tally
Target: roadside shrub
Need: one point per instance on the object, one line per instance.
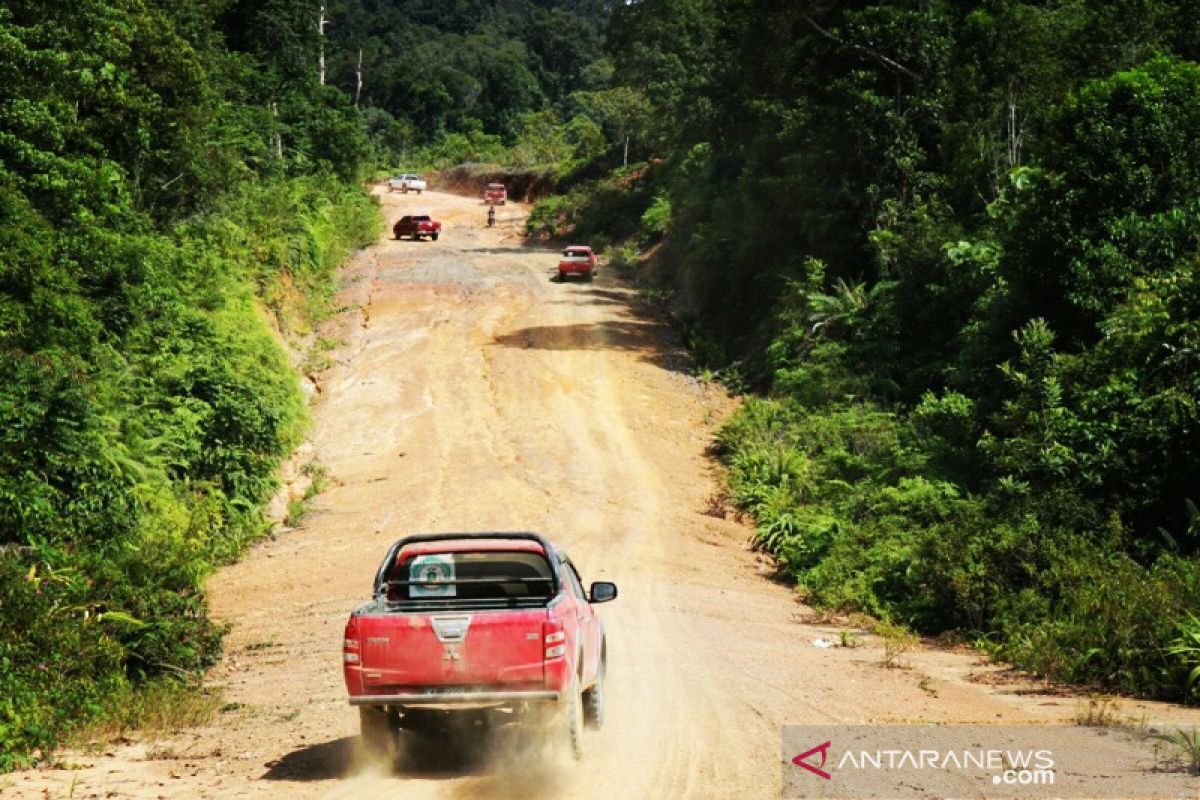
(843, 500)
(1184, 649)
(55, 666)
(553, 216)
(598, 212)
(1102, 620)
(657, 218)
(457, 148)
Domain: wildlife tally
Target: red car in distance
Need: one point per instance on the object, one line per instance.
(577, 259)
(417, 226)
(495, 194)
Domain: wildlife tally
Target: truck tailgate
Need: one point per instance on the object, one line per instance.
(501, 648)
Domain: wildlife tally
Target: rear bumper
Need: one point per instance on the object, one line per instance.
(580, 268)
(456, 700)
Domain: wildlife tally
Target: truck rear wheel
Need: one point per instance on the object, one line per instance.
(593, 698)
(433, 236)
(378, 728)
(573, 722)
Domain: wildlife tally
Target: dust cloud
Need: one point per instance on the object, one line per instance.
(509, 762)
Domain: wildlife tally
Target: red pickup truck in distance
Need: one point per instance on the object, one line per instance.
(495, 194)
(476, 629)
(577, 260)
(417, 226)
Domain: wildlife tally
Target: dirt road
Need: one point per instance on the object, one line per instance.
(473, 393)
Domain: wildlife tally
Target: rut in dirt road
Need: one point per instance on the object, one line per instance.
(473, 393)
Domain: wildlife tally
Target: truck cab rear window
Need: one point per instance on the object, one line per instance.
(497, 575)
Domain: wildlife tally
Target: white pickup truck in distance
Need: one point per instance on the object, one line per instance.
(407, 182)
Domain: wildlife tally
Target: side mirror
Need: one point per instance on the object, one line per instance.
(602, 592)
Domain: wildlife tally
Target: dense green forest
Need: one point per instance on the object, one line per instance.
(954, 249)
(158, 189)
(434, 68)
(951, 250)
(523, 82)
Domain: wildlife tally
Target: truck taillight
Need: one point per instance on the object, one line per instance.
(554, 637)
(350, 644)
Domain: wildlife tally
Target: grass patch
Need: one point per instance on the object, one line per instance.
(898, 642)
(1181, 748)
(318, 358)
(165, 704)
(848, 639)
(1098, 711)
(297, 508)
(318, 474)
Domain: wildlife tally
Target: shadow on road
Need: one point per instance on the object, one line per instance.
(614, 296)
(654, 342)
(419, 757)
(316, 762)
(607, 335)
(514, 250)
(585, 299)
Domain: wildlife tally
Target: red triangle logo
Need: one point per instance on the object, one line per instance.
(823, 749)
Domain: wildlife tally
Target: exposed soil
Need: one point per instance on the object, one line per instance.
(523, 185)
(473, 393)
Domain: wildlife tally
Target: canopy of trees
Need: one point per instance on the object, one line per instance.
(431, 68)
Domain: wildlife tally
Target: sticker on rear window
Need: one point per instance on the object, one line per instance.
(431, 576)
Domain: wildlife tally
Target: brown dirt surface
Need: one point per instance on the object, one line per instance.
(474, 393)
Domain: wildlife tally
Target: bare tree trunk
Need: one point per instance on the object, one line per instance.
(358, 77)
(278, 135)
(1014, 131)
(321, 23)
(625, 159)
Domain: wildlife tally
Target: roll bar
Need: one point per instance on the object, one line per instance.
(389, 560)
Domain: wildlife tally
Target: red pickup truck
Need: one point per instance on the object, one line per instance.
(467, 630)
(577, 260)
(495, 194)
(416, 226)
